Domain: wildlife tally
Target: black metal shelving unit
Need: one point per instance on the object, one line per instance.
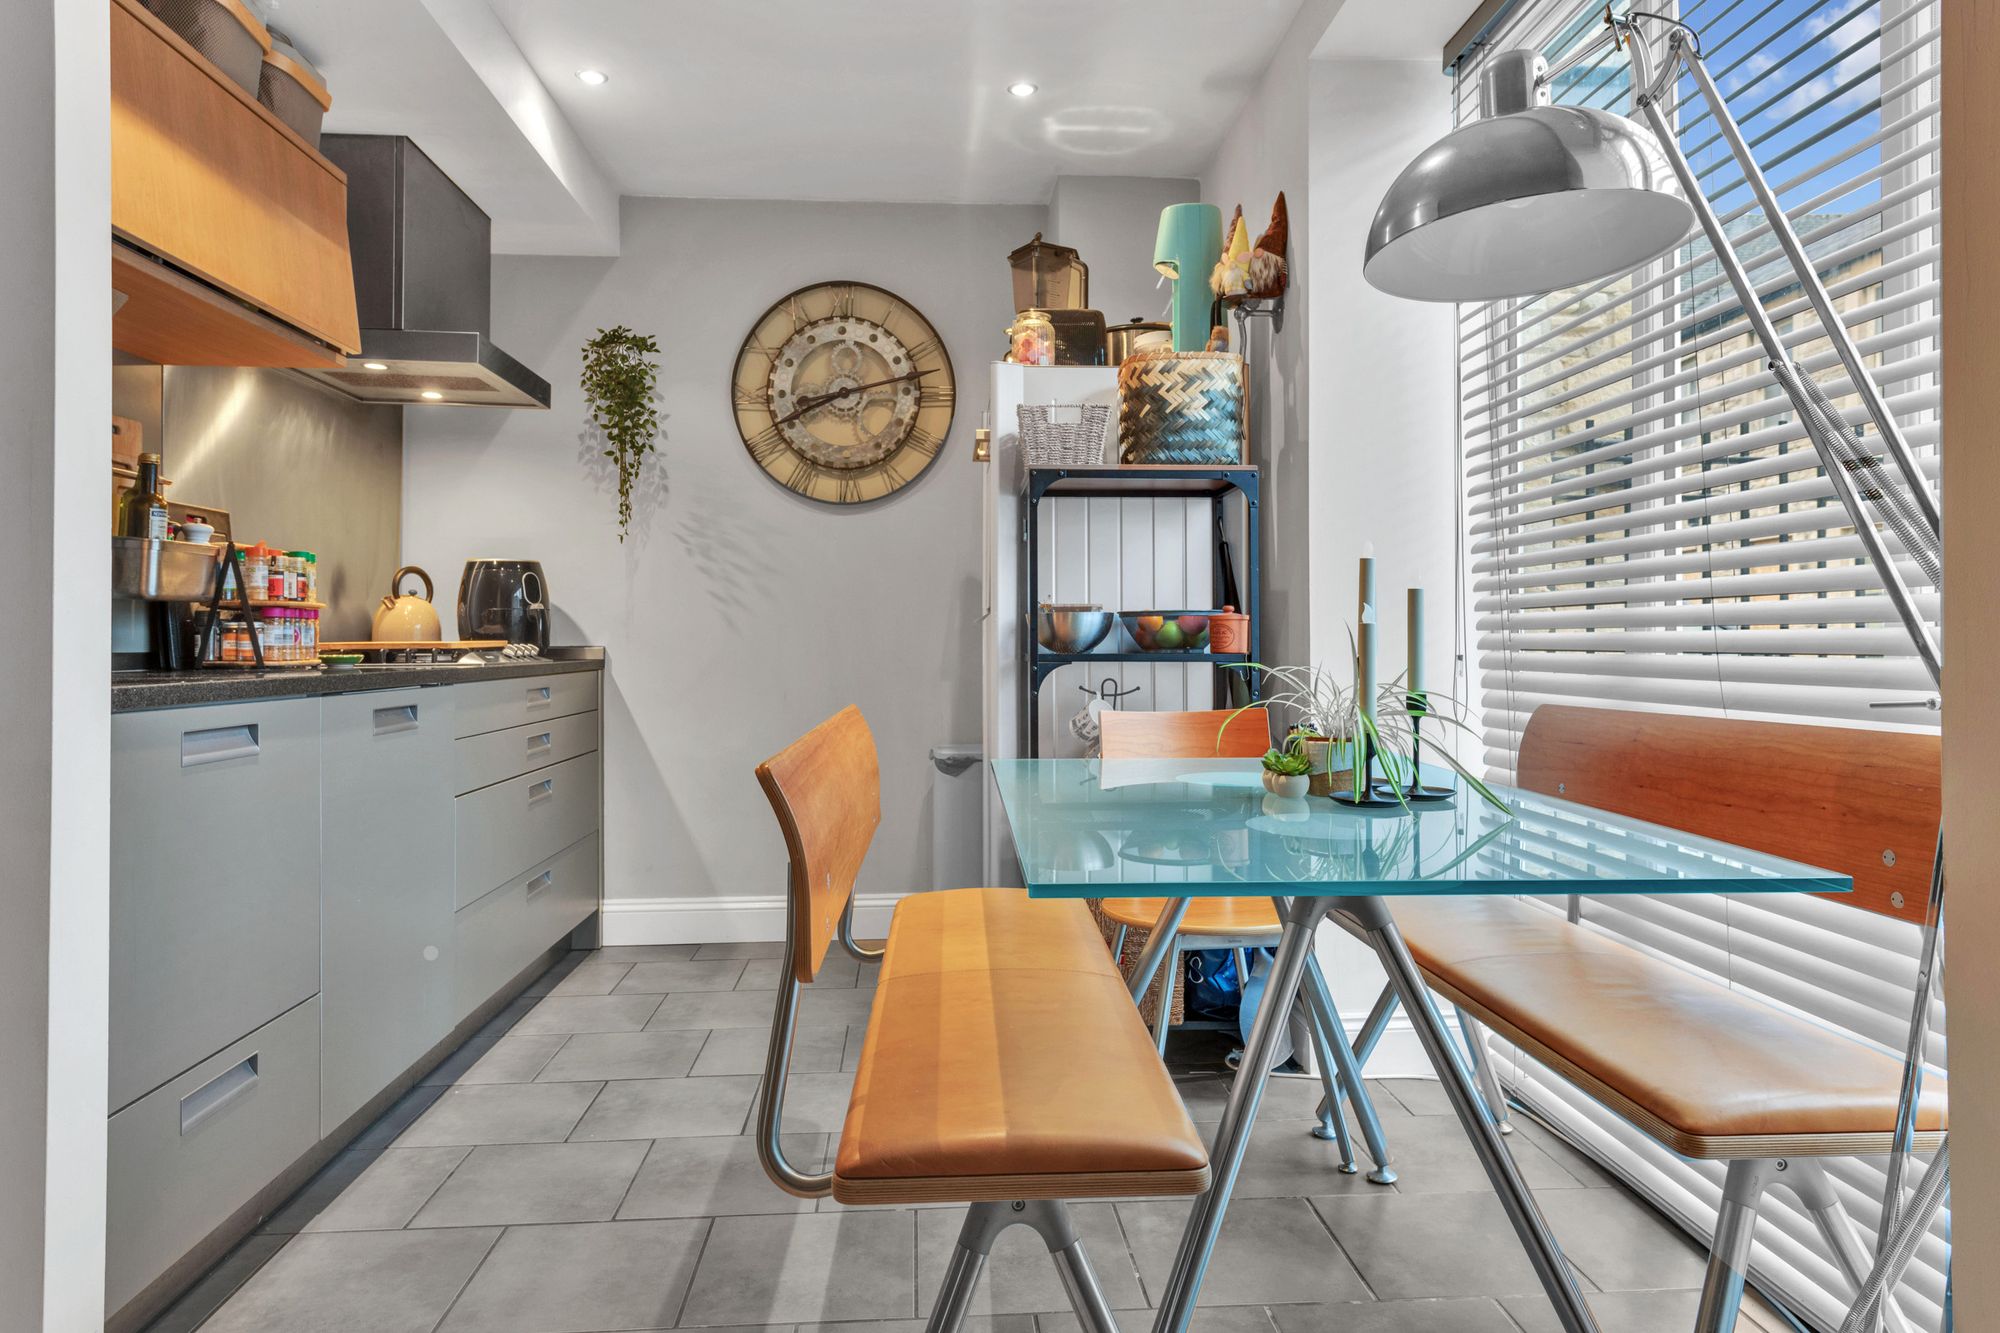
(1217, 483)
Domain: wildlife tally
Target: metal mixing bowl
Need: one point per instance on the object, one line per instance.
(1071, 629)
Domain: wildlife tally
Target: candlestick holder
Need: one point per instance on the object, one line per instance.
(1418, 705)
(1375, 794)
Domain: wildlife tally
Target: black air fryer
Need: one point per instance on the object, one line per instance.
(504, 599)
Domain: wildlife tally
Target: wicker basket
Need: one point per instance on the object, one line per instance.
(293, 89)
(1182, 407)
(1048, 442)
(223, 30)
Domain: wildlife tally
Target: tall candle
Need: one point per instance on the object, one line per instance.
(1364, 672)
(1416, 665)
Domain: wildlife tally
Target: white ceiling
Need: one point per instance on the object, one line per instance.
(889, 100)
(1392, 30)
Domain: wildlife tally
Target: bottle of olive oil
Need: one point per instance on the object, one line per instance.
(142, 509)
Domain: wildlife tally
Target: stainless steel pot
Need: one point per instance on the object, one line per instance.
(1139, 335)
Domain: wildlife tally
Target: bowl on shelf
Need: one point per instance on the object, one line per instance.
(1167, 631)
(1071, 627)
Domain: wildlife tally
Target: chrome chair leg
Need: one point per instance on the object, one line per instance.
(1807, 1179)
(1319, 998)
(1482, 1068)
(1049, 1219)
(1118, 945)
(1157, 943)
(1729, 1256)
(1164, 1019)
(1332, 1118)
(983, 1221)
(1242, 967)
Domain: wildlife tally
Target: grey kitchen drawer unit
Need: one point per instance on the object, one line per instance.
(495, 756)
(215, 926)
(507, 827)
(187, 1155)
(502, 933)
(495, 705)
(386, 807)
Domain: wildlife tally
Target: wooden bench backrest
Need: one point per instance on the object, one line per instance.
(1219, 734)
(826, 791)
(1834, 797)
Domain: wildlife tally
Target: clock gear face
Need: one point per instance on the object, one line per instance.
(843, 392)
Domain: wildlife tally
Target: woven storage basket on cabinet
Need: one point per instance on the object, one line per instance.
(1182, 407)
(1048, 442)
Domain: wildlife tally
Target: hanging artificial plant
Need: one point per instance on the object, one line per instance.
(619, 378)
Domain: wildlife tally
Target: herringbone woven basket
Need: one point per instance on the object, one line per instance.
(1182, 407)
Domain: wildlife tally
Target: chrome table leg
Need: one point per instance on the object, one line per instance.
(1320, 998)
(1554, 1272)
(1332, 1119)
(1482, 1068)
(1232, 1136)
(1157, 945)
(1729, 1256)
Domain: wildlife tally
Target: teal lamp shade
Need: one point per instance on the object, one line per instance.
(1189, 244)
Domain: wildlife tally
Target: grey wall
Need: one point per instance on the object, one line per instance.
(292, 462)
(1112, 222)
(54, 706)
(737, 615)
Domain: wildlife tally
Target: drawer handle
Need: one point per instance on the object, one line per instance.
(542, 790)
(538, 695)
(216, 745)
(389, 721)
(206, 1100)
(541, 743)
(541, 882)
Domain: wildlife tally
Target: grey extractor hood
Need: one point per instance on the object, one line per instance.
(422, 255)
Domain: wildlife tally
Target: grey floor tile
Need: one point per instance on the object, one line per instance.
(644, 953)
(313, 1197)
(515, 1183)
(1207, 1319)
(511, 1013)
(1006, 1323)
(607, 1055)
(593, 978)
(806, 1267)
(664, 1108)
(398, 1117)
(733, 1009)
(1020, 1278)
(1432, 1155)
(760, 974)
(584, 1277)
(693, 975)
(815, 1050)
(1270, 1251)
(1569, 1158)
(392, 1189)
(742, 949)
(1419, 1096)
(1617, 1312)
(450, 1069)
(850, 1059)
(215, 1286)
(1414, 1246)
(870, 974)
(561, 968)
(1285, 1161)
(382, 1281)
(514, 1059)
(831, 1007)
(1620, 1243)
(502, 1113)
(589, 1013)
(837, 971)
(1475, 1314)
(817, 1103)
(1204, 1096)
(717, 1177)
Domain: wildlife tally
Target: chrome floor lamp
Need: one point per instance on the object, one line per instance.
(1533, 198)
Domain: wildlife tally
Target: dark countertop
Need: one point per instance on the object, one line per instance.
(135, 691)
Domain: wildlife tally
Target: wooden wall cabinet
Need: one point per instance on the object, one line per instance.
(229, 232)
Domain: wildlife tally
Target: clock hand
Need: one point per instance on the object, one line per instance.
(804, 405)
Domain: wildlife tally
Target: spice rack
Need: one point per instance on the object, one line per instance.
(254, 612)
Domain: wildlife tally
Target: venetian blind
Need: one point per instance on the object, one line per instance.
(1649, 528)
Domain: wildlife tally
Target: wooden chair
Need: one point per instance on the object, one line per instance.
(1004, 1066)
(1710, 1072)
(1239, 924)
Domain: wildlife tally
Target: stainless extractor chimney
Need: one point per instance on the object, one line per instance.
(422, 255)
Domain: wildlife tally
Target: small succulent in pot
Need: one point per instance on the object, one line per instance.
(1287, 772)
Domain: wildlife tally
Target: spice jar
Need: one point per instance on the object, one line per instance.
(1031, 339)
(257, 572)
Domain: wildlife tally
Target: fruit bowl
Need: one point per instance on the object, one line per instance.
(1167, 631)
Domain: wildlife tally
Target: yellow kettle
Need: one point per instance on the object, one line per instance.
(405, 617)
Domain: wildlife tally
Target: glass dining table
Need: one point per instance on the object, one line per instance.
(1181, 829)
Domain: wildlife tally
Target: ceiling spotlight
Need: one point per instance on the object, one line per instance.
(1022, 89)
(374, 365)
(592, 78)
(431, 396)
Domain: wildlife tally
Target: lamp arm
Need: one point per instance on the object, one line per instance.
(1847, 468)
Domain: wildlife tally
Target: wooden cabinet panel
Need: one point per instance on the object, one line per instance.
(206, 178)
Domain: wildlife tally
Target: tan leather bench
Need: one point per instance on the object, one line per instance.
(1710, 1072)
(1004, 1067)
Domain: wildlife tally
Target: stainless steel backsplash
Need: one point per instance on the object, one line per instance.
(294, 464)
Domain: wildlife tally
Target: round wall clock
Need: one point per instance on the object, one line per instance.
(843, 392)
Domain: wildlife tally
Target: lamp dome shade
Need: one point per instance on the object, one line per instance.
(1524, 203)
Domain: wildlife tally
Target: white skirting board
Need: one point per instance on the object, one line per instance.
(762, 917)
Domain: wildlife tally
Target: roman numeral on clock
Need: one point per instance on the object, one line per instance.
(848, 491)
(767, 446)
(935, 395)
(801, 477)
(923, 442)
